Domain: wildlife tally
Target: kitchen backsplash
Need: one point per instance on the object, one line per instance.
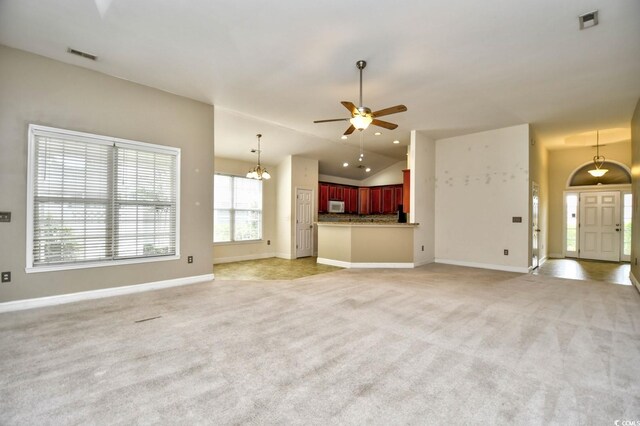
(341, 217)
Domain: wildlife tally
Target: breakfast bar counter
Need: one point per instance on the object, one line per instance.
(366, 244)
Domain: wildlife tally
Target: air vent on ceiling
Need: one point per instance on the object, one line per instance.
(82, 54)
(588, 20)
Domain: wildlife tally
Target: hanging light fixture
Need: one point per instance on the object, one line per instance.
(258, 172)
(598, 160)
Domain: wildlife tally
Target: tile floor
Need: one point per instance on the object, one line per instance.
(271, 269)
(582, 269)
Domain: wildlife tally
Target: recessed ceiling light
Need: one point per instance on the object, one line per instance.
(368, 169)
(343, 137)
(345, 164)
(377, 134)
(396, 141)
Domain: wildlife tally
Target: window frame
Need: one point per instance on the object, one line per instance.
(232, 215)
(99, 139)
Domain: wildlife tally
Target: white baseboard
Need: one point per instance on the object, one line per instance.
(634, 281)
(540, 263)
(19, 305)
(241, 258)
(354, 265)
(555, 256)
(521, 269)
(284, 256)
(423, 262)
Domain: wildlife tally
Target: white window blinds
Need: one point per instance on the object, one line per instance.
(97, 199)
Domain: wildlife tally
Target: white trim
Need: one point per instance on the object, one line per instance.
(284, 256)
(36, 129)
(358, 265)
(423, 262)
(18, 305)
(521, 269)
(256, 256)
(634, 281)
(555, 256)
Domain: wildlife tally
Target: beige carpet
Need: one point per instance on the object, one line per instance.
(435, 345)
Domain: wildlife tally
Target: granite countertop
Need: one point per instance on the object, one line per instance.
(368, 223)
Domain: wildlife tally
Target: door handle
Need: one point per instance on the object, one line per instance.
(617, 229)
(310, 226)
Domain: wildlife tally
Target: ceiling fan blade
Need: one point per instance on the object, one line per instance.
(388, 111)
(384, 124)
(351, 107)
(350, 130)
(330, 120)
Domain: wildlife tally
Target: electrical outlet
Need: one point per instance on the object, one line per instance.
(268, 242)
(506, 252)
(6, 277)
(189, 259)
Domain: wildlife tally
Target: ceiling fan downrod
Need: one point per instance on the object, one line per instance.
(361, 65)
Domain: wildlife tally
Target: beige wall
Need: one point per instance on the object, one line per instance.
(482, 182)
(231, 252)
(37, 90)
(283, 209)
(539, 173)
(635, 170)
(561, 164)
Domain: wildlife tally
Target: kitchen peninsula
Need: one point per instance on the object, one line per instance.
(366, 244)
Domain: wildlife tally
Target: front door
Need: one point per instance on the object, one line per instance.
(304, 222)
(535, 231)
(600, 226)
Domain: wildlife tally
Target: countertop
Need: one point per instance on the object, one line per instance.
(370, 223)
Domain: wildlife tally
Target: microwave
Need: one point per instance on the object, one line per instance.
(336, 206)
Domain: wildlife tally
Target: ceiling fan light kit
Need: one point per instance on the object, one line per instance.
(361, 116)
(258, 172)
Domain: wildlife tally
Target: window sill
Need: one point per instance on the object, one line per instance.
(70, 266)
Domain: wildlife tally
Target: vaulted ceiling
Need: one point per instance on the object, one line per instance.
(458, 66)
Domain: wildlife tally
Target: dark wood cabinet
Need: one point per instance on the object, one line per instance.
(323, 204)
(339, 193)
(388, 200)
(351, 200)
(399, 194)
(363, 201)
(376, 200)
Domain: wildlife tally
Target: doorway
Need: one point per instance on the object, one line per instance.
(304, 222)
(597, 225)
(535, 229)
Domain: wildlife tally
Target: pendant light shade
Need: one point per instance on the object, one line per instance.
(258, 172)
(598, 160)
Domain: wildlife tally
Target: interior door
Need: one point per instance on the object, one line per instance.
(600, 226)
(535, 230)
(304, 222)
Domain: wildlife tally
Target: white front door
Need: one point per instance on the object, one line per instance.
(600, 226)
(304, 222)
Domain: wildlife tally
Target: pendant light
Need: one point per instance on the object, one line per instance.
(258, 172)
(598, 160)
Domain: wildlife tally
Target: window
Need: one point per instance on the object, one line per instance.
(627, 208)
(237, 214)
(571, 224)
(95, 200)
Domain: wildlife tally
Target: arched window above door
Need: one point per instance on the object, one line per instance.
(618, 174)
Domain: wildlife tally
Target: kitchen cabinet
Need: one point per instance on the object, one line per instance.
(339, 193)
(376, 200)
(351, 200)
(399, 196)
(363, 201)
(388, 200)
(323, 204)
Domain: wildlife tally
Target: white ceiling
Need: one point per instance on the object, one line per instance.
(459, 66)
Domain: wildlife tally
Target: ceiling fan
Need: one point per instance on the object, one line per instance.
(362, 116)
